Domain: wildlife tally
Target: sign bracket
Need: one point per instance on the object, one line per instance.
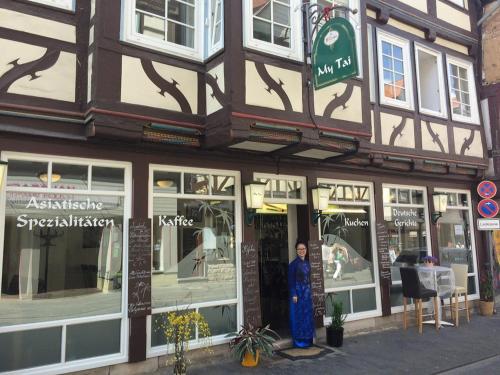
(313, 15)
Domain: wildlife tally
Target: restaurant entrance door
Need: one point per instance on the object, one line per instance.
(276, 232)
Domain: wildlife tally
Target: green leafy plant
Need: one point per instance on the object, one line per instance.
(252, 339)
(338, 317)
(486, 287)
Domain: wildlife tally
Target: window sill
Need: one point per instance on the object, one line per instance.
(274, 50)
(395, 104)
(429, 113)
(464, 120)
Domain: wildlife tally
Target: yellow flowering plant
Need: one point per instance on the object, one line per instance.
(179, 328)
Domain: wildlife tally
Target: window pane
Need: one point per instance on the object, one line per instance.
(159, 322)
(279, 188)
(347, 249)
(343, 297)
(66, 176)
(87, 340)
(196, 183)
(62, 257)
(399, 80)
(27, 173)
(389, 195)
(151, 6)
(388, 76)
(398, 52)
(180, 34)
(108, 179)
(222, 185)
(462, 73)
(180, 12)
(363, 300)
(387, 61)
(221, 319)
(25, 349)
(262, 9)
(454, 238)
(282, 36)
(167, 182)
(294, 189)
(398, 66)
(417, 197)
(362, 193)
(261, 30)
(404, 196)
(193, 262)
(400, 94)
(386, 48)
(454, 70)
(281, 14)
(150, 26)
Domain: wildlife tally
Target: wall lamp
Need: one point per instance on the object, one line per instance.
(440, 201)
(3, 170)
(320, 196)
(254, 195)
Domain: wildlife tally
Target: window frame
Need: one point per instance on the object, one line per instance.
(91, 362)
(238, 300)
(425, 206)
(211, 47)
(472, 233)
(376, 279)
(294, 52)
(404, 44)
(203, 24)
(62, 4)
(474, 109)
(301, 179)
(442, 89)
(458, 3)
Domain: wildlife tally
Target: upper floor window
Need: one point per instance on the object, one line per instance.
(394, 70)
(460, 3)
(274, 26)
(64, 4)
(187, 28)
(430, 81)
(463, 99)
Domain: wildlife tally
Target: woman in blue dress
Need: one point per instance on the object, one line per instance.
(301, 307)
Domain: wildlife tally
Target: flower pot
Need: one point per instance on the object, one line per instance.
(249, 360)
(335, 336)
(486, 308)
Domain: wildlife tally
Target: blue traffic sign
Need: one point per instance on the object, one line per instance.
(487, 208)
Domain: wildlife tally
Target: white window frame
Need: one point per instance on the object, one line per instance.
(442, 91)
(376, 283)
(210, 21)
(371, 64)
(202, 34)
(407, 66)
(301, 179)
(294, 52)
(355, 20)
(459, 3)
(63, 4)
(87, 363)
(474, 110)
(238, 301)
(472, 234)
(425, 206)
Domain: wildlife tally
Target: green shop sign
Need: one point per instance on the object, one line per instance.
(334, 53)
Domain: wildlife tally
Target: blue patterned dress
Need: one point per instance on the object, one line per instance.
(301, 313)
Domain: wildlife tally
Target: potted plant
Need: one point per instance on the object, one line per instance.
(335, 330)
(179, 328)
(486, 303)
(247, 344)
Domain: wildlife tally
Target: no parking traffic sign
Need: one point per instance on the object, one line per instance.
(487, 208)
(486, 189)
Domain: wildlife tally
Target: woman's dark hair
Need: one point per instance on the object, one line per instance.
(299, 241)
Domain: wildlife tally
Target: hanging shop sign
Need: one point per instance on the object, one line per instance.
(334, 53)
(487, 208)
(487, 189)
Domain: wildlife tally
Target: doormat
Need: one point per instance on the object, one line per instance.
(313, 352)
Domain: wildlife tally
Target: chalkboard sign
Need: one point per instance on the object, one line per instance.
(139, 268)
(317, 283)
(250, 281)
(384, 260)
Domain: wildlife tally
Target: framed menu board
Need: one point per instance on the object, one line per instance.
(250, 282)
(139, 267)
(317, 284)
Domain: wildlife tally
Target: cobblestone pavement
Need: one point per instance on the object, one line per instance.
(469, 349)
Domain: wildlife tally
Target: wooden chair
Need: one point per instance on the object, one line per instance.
(412, 288)
(461, 278)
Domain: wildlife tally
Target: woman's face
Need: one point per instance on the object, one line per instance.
(301, 250)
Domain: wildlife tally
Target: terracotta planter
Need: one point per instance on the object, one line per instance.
(486, 308)
(249, 360)
(335, 337)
